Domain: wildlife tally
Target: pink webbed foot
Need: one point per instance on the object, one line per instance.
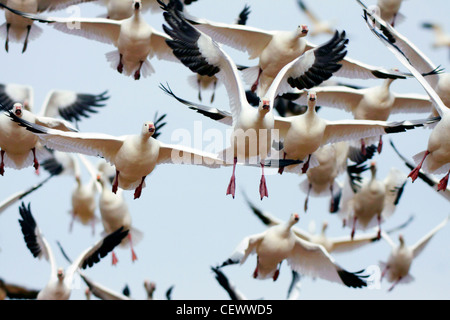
(443, 183)
(276, 274)
(2, 164)
(415, 172)
(133, 254)
(353, 228)
(262, 185)
(35, 161)
(114, 259)
(255, 273)
(306, 165)
(281, 169)
(138, 190)
(255, 84)
(116, 183)
(120, 65)
(232, 185)
(380, 145)
(363, 147)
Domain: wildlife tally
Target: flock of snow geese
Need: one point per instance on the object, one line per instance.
(278, 123)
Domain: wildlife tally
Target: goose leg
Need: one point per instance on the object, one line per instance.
(232, 185)
(199, 84)
(363, 147)
(306, 165)
(8, 25)
(120, 65)
(214, 91)
(277, 272)
(395, 283)
(25, 44)
(2, 164)
(255, 273)
(380, 144)
(35, 161)
(133, 254)
(116, 182)
(379, 226)
(281, 169)
(354, 227)
(138, 191)
(415, 172)
(137, 74)
(443, 183)
(384, 272)
(255, 85)
(262, 185)
(114, 259)
(307, 197)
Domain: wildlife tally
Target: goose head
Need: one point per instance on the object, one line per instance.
(18, 109)
(401, 240)
(301, 31)
(311, 101)
(148, 129)
(60, 274)
(373, 169)
(264, 105)
(293, 219)
(150, 287)
(324, 226)
(137, 4)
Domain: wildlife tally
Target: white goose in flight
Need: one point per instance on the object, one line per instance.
(436, 158)
(134, 156)
(276, 48)
(136, 41)
(398, 265)
(59, 286)
(204, 56)
(279, 243)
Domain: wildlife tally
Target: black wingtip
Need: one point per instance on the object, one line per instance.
(353, 279)
(28, 226)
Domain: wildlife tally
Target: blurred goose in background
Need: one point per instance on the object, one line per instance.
(318, 26)
(279, 243)
(366, 202)
(14, 291)
(388, 10)
(436, 158)
(441, 38)
(275, 49)
(397, 268)
(136, 41)
(205, 56)
(59, 286)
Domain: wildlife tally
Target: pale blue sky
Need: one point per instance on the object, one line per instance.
(189, 224)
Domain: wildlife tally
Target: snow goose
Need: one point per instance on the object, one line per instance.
(441, 38)
(205, 82)
(318, 26)
(397, 268)
(19, 148)
(14, 291)
(331, 244)
(279, 243)
(251, 138)
(69, 105)
(115, 213)
(388, 10)
(275, 48)
(427, 178)
(370, 198)
(374, 103)
(434, 75)
(19, 29)
(59, 286)
(436, 158)
(134, 156)
(136, 41)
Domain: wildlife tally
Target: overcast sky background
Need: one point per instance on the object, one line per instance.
(189, 224)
